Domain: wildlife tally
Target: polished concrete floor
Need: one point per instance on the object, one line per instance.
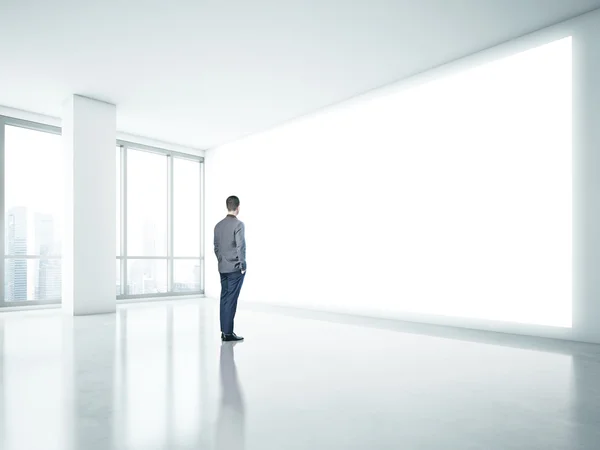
(156, 376)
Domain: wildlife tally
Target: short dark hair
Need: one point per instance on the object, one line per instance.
(232, 203)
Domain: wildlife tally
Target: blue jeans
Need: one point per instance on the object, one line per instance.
(231, 285)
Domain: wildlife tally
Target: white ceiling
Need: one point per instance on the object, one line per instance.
(204, 72)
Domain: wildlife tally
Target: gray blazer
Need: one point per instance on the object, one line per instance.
(230, 245)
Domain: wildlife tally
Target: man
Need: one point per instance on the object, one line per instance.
(230, 248)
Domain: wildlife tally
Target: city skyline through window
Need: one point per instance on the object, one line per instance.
(158, 218)
(162, 195)
(34, 214)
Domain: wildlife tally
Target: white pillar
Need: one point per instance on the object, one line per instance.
(89, 264)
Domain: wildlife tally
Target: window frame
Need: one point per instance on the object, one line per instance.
(35, 126)
(124, 257)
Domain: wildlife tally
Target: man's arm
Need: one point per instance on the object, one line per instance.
(216, 242)
(240, 245)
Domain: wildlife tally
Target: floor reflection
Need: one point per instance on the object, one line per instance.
(31, 388)
(156, 376)
(89, 381)
(230, 422)
(2, 383)
(163, 359)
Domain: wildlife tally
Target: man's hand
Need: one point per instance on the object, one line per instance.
(243, 272)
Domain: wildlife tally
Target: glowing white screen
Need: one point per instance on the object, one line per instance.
(450, 198)
(481, 177)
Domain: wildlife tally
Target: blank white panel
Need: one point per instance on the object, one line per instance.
(478, 172)
(449, 198)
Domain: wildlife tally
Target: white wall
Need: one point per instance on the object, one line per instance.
(320, 235)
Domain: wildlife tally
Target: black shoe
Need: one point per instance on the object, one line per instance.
(222, 336)
(232, 338)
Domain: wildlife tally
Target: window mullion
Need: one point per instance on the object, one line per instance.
(202, 227)
(3, 212)
(123, 266)
(170, 222)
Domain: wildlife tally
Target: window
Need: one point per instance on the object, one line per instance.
(159, 227)
(186, 206)
(158, 223)
(33, 212)
(186, 220)
(147, 191)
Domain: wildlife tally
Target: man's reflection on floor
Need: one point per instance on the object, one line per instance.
(230, 423)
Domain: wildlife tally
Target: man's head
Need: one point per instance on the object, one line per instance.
(233, 205)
